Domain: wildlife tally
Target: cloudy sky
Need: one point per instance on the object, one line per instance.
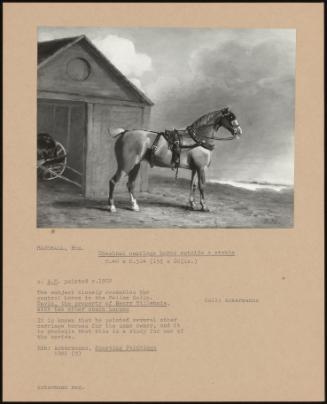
(188, 72)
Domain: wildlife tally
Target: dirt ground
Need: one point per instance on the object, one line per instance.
(61, 205)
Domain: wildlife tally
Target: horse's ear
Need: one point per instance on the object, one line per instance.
(225, 110)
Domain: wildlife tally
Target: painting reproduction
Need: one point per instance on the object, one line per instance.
(165, 127)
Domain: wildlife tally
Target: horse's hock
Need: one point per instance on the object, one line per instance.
(80, 95)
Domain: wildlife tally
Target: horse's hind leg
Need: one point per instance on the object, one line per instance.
(113, 181)
(201, 182)
(131, 186)
(192, 190)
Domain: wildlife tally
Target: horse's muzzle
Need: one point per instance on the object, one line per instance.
(236, 129)
(237, 132)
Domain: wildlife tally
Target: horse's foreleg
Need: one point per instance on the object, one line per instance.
(113, 181)
(192, 190)
(131, 186)
(201, 182)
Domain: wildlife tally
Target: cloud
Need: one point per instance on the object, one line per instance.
(257, 80)
(122, 53)
(164, 86)
(136, 82)
(232, 72)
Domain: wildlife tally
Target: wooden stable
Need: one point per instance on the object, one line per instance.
(80, 96)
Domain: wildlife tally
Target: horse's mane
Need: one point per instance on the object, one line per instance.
(206, 119)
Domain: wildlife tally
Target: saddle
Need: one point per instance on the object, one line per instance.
(175, 144)
(177, 140)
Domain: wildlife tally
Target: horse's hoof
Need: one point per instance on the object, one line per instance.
(205, 209)
(192, 206)
(112, 209)
(135, 208)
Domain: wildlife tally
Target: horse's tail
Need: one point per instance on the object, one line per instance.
(115, 132)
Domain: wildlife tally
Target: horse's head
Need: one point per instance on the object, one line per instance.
(208, 124)
(227, 119)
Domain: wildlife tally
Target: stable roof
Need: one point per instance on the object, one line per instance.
(49, 50)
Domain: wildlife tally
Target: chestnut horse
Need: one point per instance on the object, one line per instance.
(133, 146)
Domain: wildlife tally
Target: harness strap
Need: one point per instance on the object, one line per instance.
(154, 148)
(176, 173)
(200, 142)
(178, 144)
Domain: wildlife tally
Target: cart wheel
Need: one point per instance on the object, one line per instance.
(52, 170)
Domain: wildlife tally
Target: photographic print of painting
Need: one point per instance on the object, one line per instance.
(165, 127)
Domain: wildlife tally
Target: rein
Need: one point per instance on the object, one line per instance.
(221, 138)
(192, 132)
